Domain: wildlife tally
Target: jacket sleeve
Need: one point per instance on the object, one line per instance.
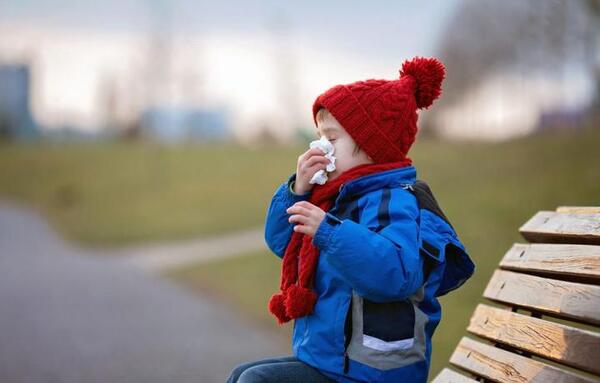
(381, 266)
(278, 230)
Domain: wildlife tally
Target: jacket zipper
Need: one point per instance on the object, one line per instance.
(346, 362)
(347, 337)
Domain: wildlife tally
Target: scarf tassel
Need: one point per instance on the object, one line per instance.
(300, 301)
(294, 302)
(277, 307)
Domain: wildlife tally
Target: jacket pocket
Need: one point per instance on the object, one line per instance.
(387, 335)
(388, 326)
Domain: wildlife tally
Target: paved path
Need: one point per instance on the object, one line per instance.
(157, 257)
(68, 316)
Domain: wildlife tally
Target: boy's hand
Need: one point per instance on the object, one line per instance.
(309, 163)
(307, 215)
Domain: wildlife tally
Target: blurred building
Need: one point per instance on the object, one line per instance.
(15, 114)
(178, 123)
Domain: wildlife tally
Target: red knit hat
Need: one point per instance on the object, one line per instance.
(381, 115)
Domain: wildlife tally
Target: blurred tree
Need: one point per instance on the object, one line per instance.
(486, 36)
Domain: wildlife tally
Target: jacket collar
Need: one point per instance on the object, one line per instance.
(374, 181)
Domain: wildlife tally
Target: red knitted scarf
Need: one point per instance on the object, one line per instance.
(296, 298)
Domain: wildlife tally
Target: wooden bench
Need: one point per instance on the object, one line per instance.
(543, 324)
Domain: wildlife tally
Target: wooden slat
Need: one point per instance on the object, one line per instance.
(578, 209)
(571, 262)
(568, 345)
(503, 366)
(449, 376)
(571, 300)
(549, 226)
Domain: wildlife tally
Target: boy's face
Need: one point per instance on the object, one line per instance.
(343, 144)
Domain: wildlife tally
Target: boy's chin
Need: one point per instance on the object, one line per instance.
(333, 175)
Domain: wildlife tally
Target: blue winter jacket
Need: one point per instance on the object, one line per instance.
(387, 252)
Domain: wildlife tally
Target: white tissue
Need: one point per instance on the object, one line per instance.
(320, 177)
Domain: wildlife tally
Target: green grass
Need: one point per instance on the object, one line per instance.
(105, 194)
(488, 191)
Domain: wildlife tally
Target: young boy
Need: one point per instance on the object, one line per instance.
(365, 255)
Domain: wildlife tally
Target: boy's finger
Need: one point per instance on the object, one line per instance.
(301, 228)
(314, 168)
(304, 204)
(309, 153)
(297, 210)
(297, 218)
(306, 154)
(314, 151)
(316, 159)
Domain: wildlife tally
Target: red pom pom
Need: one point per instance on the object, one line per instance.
(300, 301)
(277, 308)
(428, 74)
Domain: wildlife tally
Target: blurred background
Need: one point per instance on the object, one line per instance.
(141, 143)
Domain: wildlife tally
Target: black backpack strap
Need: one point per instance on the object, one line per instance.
(425, 200)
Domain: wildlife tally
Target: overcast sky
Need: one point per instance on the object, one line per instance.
(75, 43)
(387, 28)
